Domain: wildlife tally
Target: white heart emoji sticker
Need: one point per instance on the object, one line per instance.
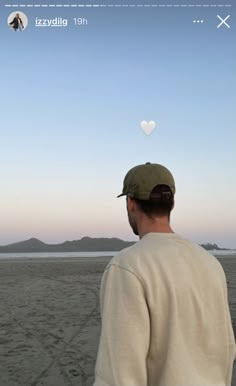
(148, 127)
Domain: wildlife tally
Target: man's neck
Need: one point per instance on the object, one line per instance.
(159, 225)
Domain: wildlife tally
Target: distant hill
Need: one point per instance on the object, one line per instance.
(86, 244)
(210, 247)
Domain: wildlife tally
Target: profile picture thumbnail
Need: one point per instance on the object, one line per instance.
(17, 21)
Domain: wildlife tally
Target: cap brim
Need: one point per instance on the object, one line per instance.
(122, 194)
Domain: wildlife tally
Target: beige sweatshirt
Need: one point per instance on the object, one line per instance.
(165, 317)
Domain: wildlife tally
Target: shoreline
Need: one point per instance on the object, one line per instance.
(80, 259)
(99, 259)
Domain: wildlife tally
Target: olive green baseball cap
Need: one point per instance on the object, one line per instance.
(140, 180)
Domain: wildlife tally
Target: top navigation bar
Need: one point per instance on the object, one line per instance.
(119, 5)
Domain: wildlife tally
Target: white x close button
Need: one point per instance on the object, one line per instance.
(223, 21)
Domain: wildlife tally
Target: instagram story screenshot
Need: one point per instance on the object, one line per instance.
(117, 198)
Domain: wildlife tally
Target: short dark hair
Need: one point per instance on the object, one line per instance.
(160, 203)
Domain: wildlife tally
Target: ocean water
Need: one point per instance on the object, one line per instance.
(43, 255)
(223, 253)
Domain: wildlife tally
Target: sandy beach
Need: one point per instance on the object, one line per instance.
(50, 320)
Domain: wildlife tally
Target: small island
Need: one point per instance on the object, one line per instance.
(210, 247)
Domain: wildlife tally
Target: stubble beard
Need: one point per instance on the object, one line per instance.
(133, 224)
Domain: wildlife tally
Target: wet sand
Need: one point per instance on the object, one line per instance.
(50, 320)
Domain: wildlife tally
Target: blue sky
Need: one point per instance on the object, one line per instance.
(71, 104)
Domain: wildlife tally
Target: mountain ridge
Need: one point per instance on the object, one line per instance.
(86, 244)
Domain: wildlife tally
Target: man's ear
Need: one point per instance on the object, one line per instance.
(130, 204)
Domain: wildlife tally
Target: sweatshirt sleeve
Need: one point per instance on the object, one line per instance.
(232, 345)
(125, 332)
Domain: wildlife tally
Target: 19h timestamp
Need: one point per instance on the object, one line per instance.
(80, 21)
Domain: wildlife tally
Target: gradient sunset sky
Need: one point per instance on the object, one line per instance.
(71, 104)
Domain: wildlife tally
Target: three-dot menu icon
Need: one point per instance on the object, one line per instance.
(198, 21)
